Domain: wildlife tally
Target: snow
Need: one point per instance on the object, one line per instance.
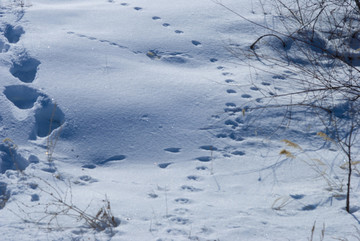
(144, 102)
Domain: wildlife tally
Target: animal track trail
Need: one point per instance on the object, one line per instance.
(91, 38)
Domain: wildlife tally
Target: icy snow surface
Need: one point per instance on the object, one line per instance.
(144, 103)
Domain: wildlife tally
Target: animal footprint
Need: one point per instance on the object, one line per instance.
(193, 178)
(246, 96)
(201, 168)
(196, 43)
(137, 8)
(182, 200)
(113, 158)
(231, 91)
(190, 188)
(156, 18)
(178, 31)
(166, 24)
(164, 165)
(204, 158)
(48, 117)
(179, 220)
(173, 149)
(21, 96)
(208, 148)
(25, 68)
(238, 153)
(35, 198)
(12, 33)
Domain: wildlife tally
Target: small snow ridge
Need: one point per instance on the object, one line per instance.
(21, 96)
(173, 149)
(231, 123)
(4, 47)
(10, 159)
(25, 68)
(48, 117)
(4, 194)
(113, 158)
(12, 33)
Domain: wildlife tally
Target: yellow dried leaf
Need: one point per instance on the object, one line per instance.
(243, 112)
(324, 136)
(319, 162)
(286, 153)
(292, 144)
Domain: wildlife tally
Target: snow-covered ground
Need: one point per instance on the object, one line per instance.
(144, 102)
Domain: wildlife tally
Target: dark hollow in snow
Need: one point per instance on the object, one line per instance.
(196, 43)
(193, 178)
(238, 153)
(11, 160)
(173, 149)
(113, 158)
(12, 33)
(25, 69)
(89, 166)
(208, 148)
(48, 117)
(204, 158)
(165, 165)
(231, 91)
(21, 96)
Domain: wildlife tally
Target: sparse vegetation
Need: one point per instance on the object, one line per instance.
(312, 49)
